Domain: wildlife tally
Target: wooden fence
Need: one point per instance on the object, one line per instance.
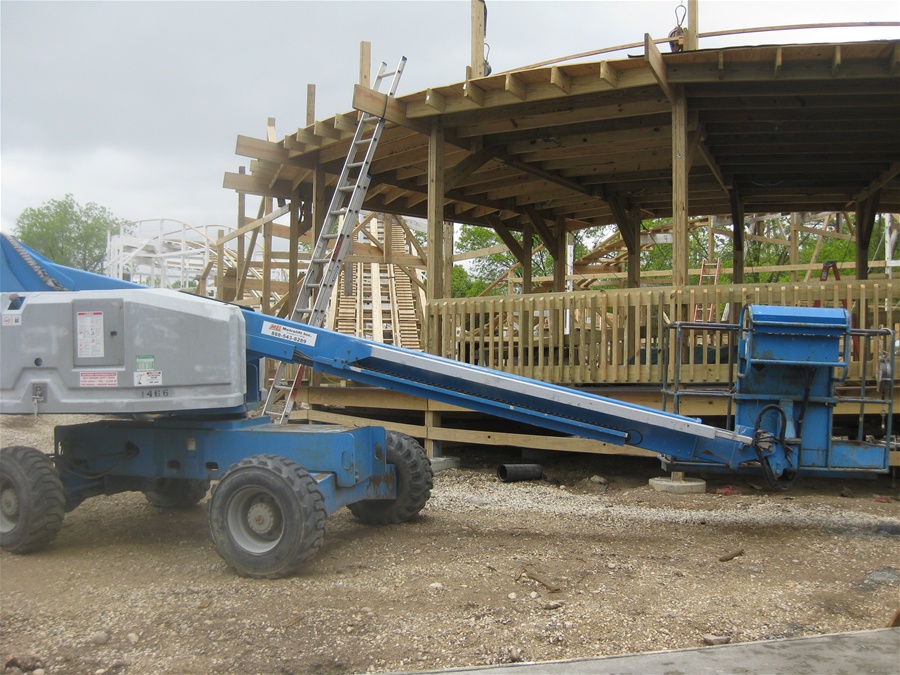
(617, 336)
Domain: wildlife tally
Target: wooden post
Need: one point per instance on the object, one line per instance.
(447, 269)
(293, 253)
(479, 28)
(527, 257)
(794, 251)
(866, 210)
(680, 168)
(737, 220)
(365, 63)
(310, 104)
(692, 33)
(319, 201)
(560, 256)
(435, 288)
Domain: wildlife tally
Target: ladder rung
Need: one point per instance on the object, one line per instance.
(329, 235)
(347, 188)
(356, 165)
(281, 387)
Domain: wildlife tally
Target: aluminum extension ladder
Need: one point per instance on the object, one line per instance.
(334, 240)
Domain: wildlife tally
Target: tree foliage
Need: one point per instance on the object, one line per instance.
(68, 233)
(485, 270)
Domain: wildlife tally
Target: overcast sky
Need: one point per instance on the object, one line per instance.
(136, 105)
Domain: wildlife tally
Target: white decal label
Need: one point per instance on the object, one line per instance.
(148, 378)
(12, 319)
(301, 337)
(99, 379)
(89, 326)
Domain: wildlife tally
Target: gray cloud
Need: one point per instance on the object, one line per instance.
(136, 105)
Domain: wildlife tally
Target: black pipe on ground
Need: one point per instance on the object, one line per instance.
(510, 473)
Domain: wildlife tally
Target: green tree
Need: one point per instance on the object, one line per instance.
(68, 233)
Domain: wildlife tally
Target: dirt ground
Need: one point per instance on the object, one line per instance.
(490, 573)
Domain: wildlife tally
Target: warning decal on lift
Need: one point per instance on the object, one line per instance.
(104, 378)
(301, 337)
(89, 326)
(148, 378)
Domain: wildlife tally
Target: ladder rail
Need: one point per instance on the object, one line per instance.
(705, 276)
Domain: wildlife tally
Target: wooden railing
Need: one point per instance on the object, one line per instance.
(617, 336)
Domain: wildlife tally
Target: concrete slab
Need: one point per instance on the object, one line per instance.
(442, 463)
(873, 651)
(679, 487)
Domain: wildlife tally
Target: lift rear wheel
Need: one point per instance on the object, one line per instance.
(414, 482)
(32, 500)
(267, 517)
(177, 493)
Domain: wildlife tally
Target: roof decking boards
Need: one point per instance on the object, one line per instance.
(784, 127)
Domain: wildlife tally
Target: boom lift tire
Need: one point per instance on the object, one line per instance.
(267, 517)
(414, 482)
(175, 493)
(32, 500)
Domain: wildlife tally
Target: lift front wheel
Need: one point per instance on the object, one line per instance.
(32, 500)
(266, 517)
(414, 482)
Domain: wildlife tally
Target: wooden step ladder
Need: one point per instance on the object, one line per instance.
(709, 276)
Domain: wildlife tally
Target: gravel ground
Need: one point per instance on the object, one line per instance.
(588, 563)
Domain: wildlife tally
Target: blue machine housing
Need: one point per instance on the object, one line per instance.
(792, 358)
(348, 465)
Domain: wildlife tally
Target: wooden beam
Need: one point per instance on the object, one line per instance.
(516, 86)
(548, 236)
(468, 166)
(560, 80)
(381, 105)
(253, 185)
(506, 236)
(609, 74)
(474, 93)
(435, 100)
(713, 166)
(259, 222)
(883, 179)
(654, 59)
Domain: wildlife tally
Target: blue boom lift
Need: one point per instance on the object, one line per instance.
(183, 373)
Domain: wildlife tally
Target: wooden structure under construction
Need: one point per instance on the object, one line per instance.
(708, 136)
